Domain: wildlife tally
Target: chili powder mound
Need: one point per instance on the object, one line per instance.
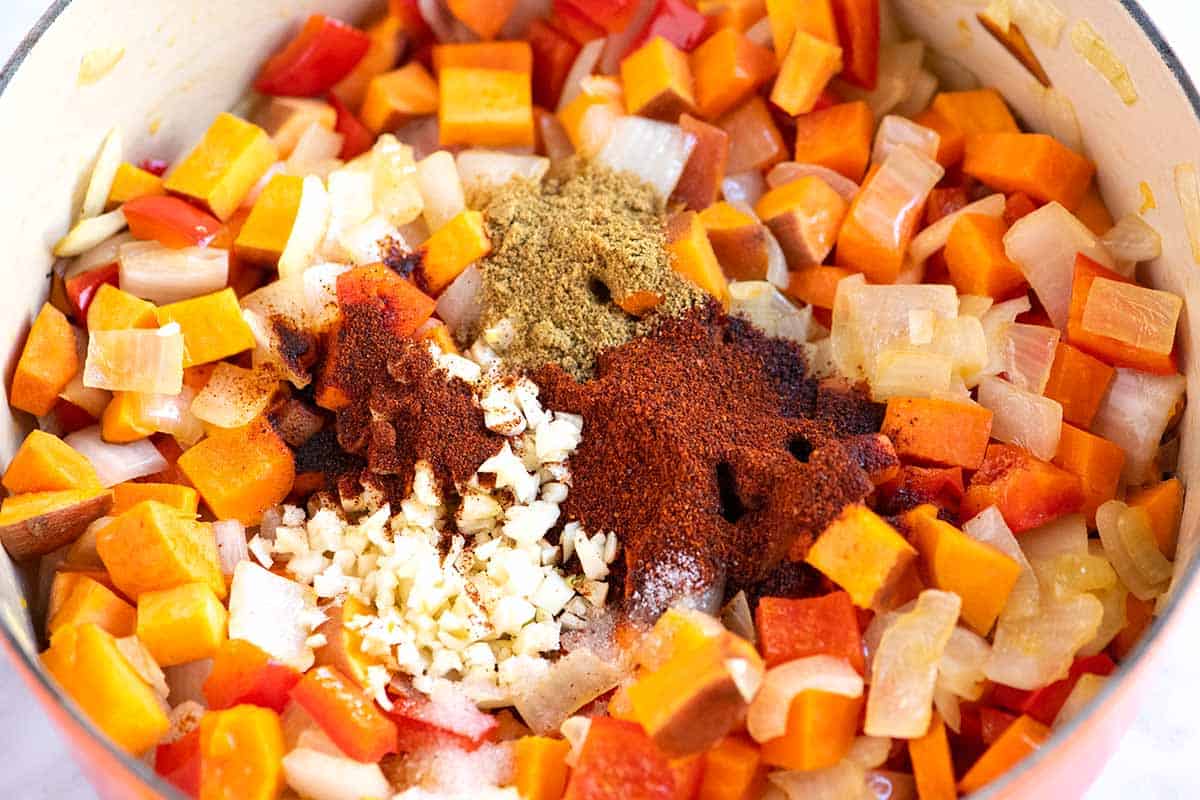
(711, 453)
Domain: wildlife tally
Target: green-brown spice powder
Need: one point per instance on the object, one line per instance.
(563, 251)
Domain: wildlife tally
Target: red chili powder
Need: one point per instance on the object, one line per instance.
(710, 452)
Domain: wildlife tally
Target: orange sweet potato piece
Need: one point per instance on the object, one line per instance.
(975, 111)
(48, 363)
(450, 250)
(153, 546)
(1028, 491)
(130, 183)
(112, 310)
(658, 81)
(932, 768)
(511, 56)
(821, 727)
(483, 17)
(128, 495)
(738, 240)
(241, 472)
(838, 137)
(343, 644)
(91, 601)
(806, 70)
(396, 97)
(692, 255)
(728, 68)
(182, 624)
(34, 523)
(1097, 461)
(45, 463)
(816, 286)
(862, 554)
(241, 754)
(1019, 739)
(733, 770)
(952, 142)
(941, 432)
(700, 182)
(976, 259)
(754, 139)
(1164, 503)
(1093, 212)
(1033, 163)
(540, 767)
(1078, 382)
(805, 215)
(485, 108)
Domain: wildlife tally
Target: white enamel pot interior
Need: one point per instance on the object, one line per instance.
(183, 62)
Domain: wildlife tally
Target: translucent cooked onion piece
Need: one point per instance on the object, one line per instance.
(231, 544)
(904, 669)
(962, 340)
(1031, 652)
(273, 612)
(1067, 534)
(1135, 414)
(316, 152)
(1070, 573)
(1131, 549)
(546, 701)
(1114, 599)
(441, 189)
(995, 330)
(895, 131)
(101, 255)
(901, 184)
(394, 172)
(789, 171)
(934, 237)
(767, 717)
(846, 780)
(960, 669)
(163, 275)
(924, 87)
(1082, 694)
(905, 372)
(1029, 354)
(1140, 317)
(1132, 240)
(654, 151)
(870, 751)
(766, 307)
(147, 361)
(583, 66)
(461, 304)
(90, 232)
(745, 187)
(308, 228)
(170, 413)
(324, 776)
(1022, 418)
(234, 396)
(103, 173)
(484, 169)
(1044, 244)
(117, 463)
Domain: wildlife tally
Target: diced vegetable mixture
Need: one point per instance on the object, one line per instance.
(675, 400)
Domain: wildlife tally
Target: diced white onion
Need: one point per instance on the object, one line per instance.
(231, 544)
(117, 463)
(1030, 652)
(911, 373)
(147, 361)
(441, 189)
(1029, 354)
(895, 131)
(273, 612)
(596, 127)
(1131, 549)
(934, 237)
(973, 305)
(788, 171)
(314, 150)
(1044, 244)
(320, 294)
(767, 308)
(870, 751)
(960, 669)
(548, 699)
(461, 304)
(767, 717)
(844, 780)
(100, 184)
(1140, 317)
(995, 323)
(1022, 418)
(1135, 414)
(777, 268)
(655, 152)
(489, 169)
(1081, 696)
(308, 229)
(745, 187)
(1132, 240)
(321, 776)
(163, 275)
(902, 184)
(234, 396)
(989, 527)
(394, 172)
(89, 232)
(1064, 536)
(171, 413)
(583, 65)
(899, 65)
(924, 87)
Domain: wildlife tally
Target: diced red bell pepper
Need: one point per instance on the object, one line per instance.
(170, 221)
(82, 288)
(553, 54)
(346, 714)
(179, 763)
(411, 21)
(677, 22)
(612, 16)
(993, 722)
(1028, 491)
(827, 99)
(323, 53)
(244, 674)
(1016, 206)
(944, 201)
(918, 486)
(71, 417)
(574, 23)
(155, 166)
(619, 761)
(858, 30)
(797, 628)
(1045, 703)
(419, 724)
(356, 137)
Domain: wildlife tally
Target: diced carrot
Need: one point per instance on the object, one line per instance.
(485, 108)
(858, 23)
(89, 601)
(265, 233)
(241, 472)
(540, 767)
(1164, 503)
(387, 44)
(1093, 212)
(934, 431)
(932, 767)
(728, 68)
(45, 463)
(241, 754)
(152, 546)
(1028, 491)
(820, 730)
(738, 240)
(975, 111)
(862, 554)
(1139, 615)
(598, 92)
(1111, 351)
(978, 573)
(692, 255)
(700, 183)
(1098, 463)
(976, 259)
(754, 139)
(213, 326)
(879, 253)
(128, 495)
(182, 624)
(221, 170)
(733, 770)
(48, 362)
(1033, 163)
(658, 81)
(512, 56)
(553, 54)
(838, 137)
(739, 14)
(483, 17)
(450, 250)
(1022, 738)
(952, 142)
(113, 310)
(816, 286)
(396, 97)
(805, 215)
(806, 70)
(132, 182)
(1078, 382)
(789, 629)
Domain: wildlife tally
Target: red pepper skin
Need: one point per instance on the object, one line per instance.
(858, 30)
(170, 221)
(71, 417)
(155, 166)
(179, 763)
(1045, 703)
(993, 722)
(244, 674)
(792, 628)
(611, 15)
(677, 22)
(346, 714)
(82, 288)
(322, 54)
(553, 54)
(418, 727)
(574, 23)
(356, 138)
(619, 761)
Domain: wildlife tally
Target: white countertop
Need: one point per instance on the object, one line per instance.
(1154, 762)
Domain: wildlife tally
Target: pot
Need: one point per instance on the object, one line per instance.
(179, 67)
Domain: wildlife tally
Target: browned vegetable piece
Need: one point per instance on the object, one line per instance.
(700, 182)
(35, 523)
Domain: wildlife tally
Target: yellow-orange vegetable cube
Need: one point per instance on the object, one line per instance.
(153, 546)
(597, 92)
(47, 364)
(395, 97)
(265, 234)
(241, 472)
(978, 573)
(212, 325)
(88, 665)
(692, 255)
(128, 495)
(285, 119)
(45, 463)
(114, 310)
(658, 81)
(221, 170)
(181, 624)
(863, 554)
(806, 70)
(485, 108)
(91, 601)
(122, 421)
(130, 183)
(451, 249)
(241, 754)
(821, 727)
(805, 216)
(540, 767)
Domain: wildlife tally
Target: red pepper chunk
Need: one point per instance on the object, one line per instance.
(170, 221)
(611, 15)
(244, 674)
(619, 761)
(419, 725)
(553, 54)
(82, 288)
(356, 137)
(797, 628)
(677, 22)
(346, 714)
(1028, 491)
(858, 30)
(1044, 704)
(322, 54)
(179, 763)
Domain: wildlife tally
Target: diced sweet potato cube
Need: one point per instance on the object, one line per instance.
(514, 56)
(1097, 461)
(45, 463)
(952, 142)
(692, 256)
(863, 554)
(113, 310)
(241, 754)
(805, 215)
(975, 111)
(396, 97)
(976, 259)
(1033, 163)
(485, 108)
(212, 325)
(285, 119)
(221, 170)
(658, 81)
(700, 183)
(816, 286)
(122, 421)
(450, 250)
(738, 240)
(182, 624)
(728, 68)
(540, 767)
(265, 234)
(838, 137)
(806, 70)
(91, 601)
(1078, 382)
(733, 770)
(241, 472)
(821, 727)
(1164, 503)
(128, 495)
(153, 546)
(941, 432)
(130, 183)
(34, 523)
(48, 362)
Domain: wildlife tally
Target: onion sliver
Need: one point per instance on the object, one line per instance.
(1029, 355)
(1031, 652)
(164, 275)
(1132, 239)
(231, 544)
(308, 228)
(101, 181)
(934, 238)
(895, 131)
(989, 527)
(767, 717)
(960, 669)
(583, 65)
(764, 305)
(1135, 414)
(441, 189)
(1022, 418)
(323, 776)
(117, 463)
(1081, 696)
(89, 232)
(1131, 549)
(461, 304)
